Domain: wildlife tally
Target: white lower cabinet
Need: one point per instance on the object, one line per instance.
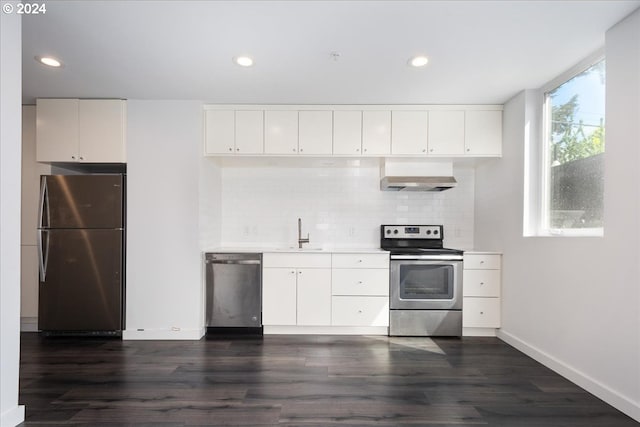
(296, 289)
(360, 289)
(314, 296)
(481, 290)
(364, 281)
(360, 311)
(481, 312)
(325, 290)
(279, 296)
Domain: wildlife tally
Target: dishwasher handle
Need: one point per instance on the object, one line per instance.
(236, 262)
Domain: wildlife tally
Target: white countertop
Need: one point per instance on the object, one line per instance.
(312, 249)
(474, 252)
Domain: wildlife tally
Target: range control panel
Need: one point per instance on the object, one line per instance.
(412, 232)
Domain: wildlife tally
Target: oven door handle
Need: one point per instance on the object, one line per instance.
(427, 257)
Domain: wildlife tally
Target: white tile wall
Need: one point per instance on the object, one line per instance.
(339, 207)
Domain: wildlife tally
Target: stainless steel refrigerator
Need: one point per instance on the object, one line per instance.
(81, 236)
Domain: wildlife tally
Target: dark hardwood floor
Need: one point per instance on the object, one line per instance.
(297, 381)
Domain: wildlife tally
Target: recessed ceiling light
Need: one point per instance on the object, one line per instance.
(243, 61)
(418, 61)
(49, 61)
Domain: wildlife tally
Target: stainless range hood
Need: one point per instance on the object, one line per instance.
(417, 183)
(416, 175)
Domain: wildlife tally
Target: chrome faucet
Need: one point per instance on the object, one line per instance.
(300, 239)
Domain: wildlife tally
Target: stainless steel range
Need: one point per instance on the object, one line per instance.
(425, 281)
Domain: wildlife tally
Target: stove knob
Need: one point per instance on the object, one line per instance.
(428, 232)
(435, 231)
(395, 231)
(388, 231)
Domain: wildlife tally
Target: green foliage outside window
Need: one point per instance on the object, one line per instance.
(571, 137)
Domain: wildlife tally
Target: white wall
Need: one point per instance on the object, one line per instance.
(574, 303)
(11, 413)
(164, 286)
(339, 206)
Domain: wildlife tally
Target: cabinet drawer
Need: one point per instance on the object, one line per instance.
(490, 262)
(359, 311)
(289, 260)
(360, 260)
(360, 281)
(481, 312)
(481, 283)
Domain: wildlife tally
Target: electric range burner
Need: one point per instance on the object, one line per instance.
(419, 241)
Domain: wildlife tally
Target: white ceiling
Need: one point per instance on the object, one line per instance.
(480, 52)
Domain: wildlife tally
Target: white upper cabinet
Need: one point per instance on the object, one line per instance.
(347, 133)
(101, 130)
(363, 131)
(249, 132)
(483, 133)
(315, 132)
(220, 131)
(446, 133)
(409, 132)
(57, 130)
(234, 132)
(81, 130)
(376, 133)
(281, 132)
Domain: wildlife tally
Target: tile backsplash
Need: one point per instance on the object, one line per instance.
(339, 206)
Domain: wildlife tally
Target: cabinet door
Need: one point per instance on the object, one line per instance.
(360, 311)
(482, 261)
(446, 132)
(101, 131)
(360, 281)
(481, 283)
(376, 132)
(314, 296)
(483, 133)
(481, 312)
(409, 132)
(219, 128)
(315, 132)
(249, 132)
(360, 260)
(279, 296)
(347, 132)
(57, 130)
(281, 132)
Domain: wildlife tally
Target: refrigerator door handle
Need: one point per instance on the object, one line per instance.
(44, 200)
(43, 256)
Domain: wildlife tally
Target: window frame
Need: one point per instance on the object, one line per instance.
(542, 226)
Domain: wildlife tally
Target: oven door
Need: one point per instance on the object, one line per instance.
(425, 285)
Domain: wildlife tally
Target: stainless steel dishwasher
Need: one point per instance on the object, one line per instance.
(234, 292)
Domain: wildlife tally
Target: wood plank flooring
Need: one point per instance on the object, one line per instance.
(297, 381)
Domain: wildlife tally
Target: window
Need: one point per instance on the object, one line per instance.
(573, 157)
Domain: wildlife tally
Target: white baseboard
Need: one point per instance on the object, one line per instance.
(326, 330)
(28, 324)
(12, 417)
(615, 399)
(163, 334)
(479, 332)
